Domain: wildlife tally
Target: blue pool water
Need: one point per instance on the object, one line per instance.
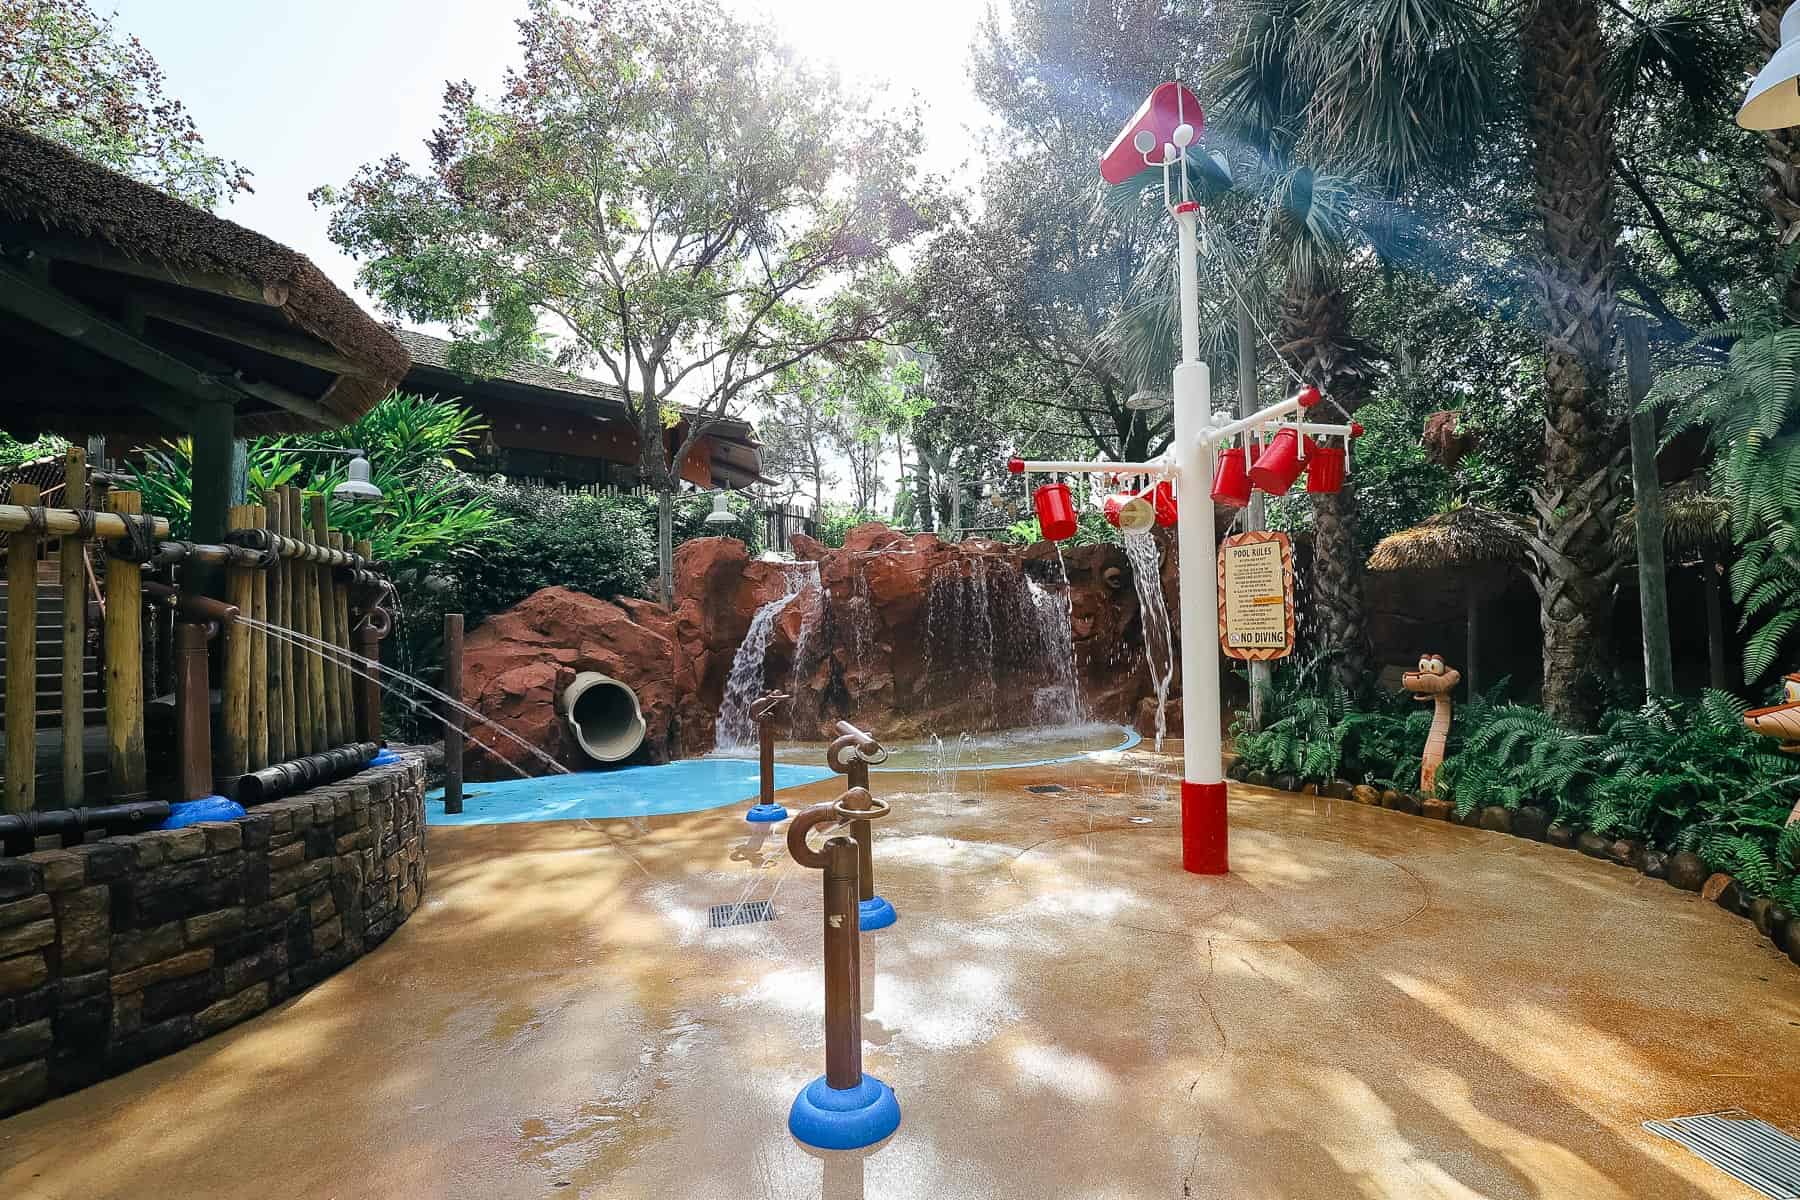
(690, 785)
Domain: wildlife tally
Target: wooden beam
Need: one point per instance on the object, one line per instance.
(126, 772)
(294, 346)
(74, 663)
(102, 258)
(42, 305)
(21, 661)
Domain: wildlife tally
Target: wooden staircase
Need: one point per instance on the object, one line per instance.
(49, 684)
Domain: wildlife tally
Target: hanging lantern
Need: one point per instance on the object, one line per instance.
(1279, 464)
(1129, 513)
(1055, 511)
(1231, 479)
(1325, 469)
(1162, 499)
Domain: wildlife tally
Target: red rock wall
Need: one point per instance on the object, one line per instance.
(913, 676)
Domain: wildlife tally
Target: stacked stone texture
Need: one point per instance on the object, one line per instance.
(122, 950)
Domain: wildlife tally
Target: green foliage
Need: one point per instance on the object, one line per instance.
(414, 446)
(1305, 723)
(67, 74)
(837, 520)
(13, 452)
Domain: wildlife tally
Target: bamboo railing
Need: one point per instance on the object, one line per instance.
(278, 702)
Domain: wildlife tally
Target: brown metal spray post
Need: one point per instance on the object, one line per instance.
(763, 712)
(869, 1111)
(199, 619)
(850, 755)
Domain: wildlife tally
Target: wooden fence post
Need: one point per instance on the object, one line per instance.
(300, 579)
(74, 663)
(368, 687)
(334, 716)
(453, 725)
(318, 738)
(340, 634)
(234, 692)
(259, 654)
(128, 778)
(1646, 494)
(21, 661)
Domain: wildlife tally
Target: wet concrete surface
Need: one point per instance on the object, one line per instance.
(1370, 1005)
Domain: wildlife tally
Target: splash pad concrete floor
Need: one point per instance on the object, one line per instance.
(1371, 1005)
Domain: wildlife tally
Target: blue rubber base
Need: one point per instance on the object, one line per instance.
(207, 808)
(766, 812)
(875, 913)
(856, 1117)
(384, 757)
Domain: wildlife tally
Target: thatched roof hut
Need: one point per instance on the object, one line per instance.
(1696, 523)
(123, 310)
(1472, 542)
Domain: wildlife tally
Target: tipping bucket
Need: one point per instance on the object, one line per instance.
(1325, 469)
(1129, 513)
(1231, 479)
(1055, 511)
(1162, 499)
(1279, 464)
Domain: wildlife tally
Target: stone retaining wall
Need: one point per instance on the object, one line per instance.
(128, 948)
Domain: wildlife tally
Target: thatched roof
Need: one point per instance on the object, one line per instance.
(1696, 523)
(1463, 537)
(115, 241)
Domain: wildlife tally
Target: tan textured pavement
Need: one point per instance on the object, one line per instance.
(1371, 1005)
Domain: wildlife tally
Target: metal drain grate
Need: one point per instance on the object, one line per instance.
(1750, 1151)
(719, 916)
(1045, 789)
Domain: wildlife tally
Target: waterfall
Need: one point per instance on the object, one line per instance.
(862, 615)
(797, 681)
(1153, 614)
(745, 683)
(1059, 703)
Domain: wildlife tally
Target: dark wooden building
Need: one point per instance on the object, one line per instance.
(561, 429)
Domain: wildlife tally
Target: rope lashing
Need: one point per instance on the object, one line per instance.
(139, 545)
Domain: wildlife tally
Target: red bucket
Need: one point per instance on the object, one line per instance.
(1055, 511)
(1279, 464)
(1128, 512)
(1325, 469)
(1231, 479)
(1163, 498)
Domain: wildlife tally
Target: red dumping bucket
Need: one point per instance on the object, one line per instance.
(1231, 479)
(1325, 469)
(1055, 511)
(1129, 512)
(1279, 464)
(1163, 498)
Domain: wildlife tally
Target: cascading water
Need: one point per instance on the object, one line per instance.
(1060, 702)
(862, 615)
(809, 628)
(985, 620)
(745, 683)
(1153, 614)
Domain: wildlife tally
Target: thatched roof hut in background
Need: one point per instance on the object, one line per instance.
(1472, 542)
(1697, 533)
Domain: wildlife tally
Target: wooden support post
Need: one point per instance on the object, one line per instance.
(1646, 492)
(21, 662)
(234, 681)
(274, 673)
(259, 655)
(368, 687)
(212, 431)
(453, 724)
(193, 712)
(324, 619)
(340, 634)
(74, 660)
(300, 581)
(126, 772)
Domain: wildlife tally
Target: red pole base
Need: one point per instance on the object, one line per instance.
(1204, 836)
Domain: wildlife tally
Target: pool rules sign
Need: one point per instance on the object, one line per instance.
(1256, 596)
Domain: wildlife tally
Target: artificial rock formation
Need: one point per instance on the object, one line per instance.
(903, 634)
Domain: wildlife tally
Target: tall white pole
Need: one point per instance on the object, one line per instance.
(1203, 824)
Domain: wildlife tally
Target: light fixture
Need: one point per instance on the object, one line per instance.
(721, 513)
(1145, 400)
(1774, 98)
(357, 489)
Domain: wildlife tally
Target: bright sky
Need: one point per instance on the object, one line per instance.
(302, 94)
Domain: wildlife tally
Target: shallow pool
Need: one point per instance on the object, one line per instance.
(690, 785)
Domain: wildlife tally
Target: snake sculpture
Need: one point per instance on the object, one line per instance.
(1433, 681)
(1781, 722)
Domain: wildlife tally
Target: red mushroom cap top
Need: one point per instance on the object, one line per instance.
(1309, 396)
(1016, 465)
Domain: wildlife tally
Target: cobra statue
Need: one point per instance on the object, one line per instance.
(1781, 722)
(1433, 681)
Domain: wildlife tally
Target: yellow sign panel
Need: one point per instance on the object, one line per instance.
(1256, 596)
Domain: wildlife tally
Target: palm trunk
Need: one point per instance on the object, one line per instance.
(1315, 327)
(1564, 55)
(1781, 183)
